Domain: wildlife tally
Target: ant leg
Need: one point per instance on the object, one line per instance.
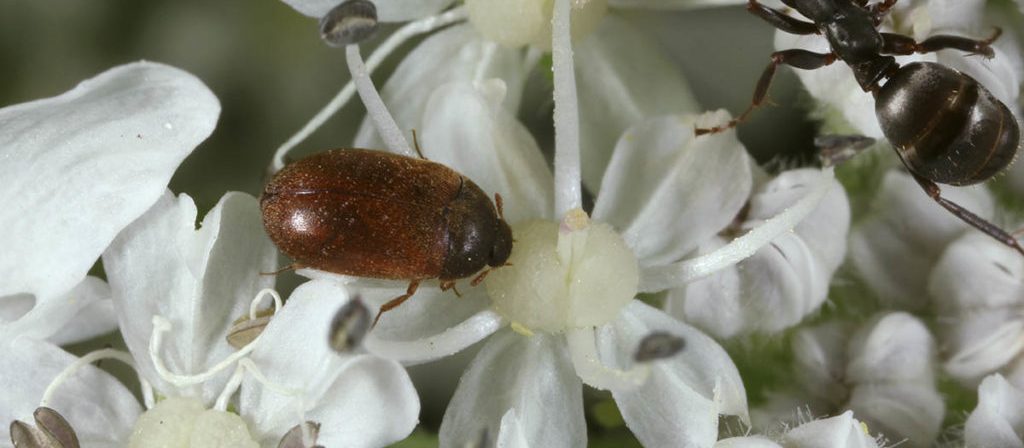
(879, 10)
(393, 303)
(479, 278)
(802, 59)
(780, 20)
(900, 44)
(970, 218)
(835, 149)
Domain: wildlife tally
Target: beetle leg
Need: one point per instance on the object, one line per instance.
(291, 267)
(393, 303)
(450, 284)
(900, 44)
(802, 59)
(416, 145)
(970, 218)
(780, 20)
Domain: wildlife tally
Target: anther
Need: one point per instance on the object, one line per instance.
(52, 430)
(303, 435)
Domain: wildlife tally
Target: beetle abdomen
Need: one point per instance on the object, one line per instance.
(945, 125)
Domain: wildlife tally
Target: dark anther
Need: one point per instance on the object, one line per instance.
(350, 325)
(349, 23)
(836, 149)
(658, 345)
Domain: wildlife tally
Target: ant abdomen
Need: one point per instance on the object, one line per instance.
(945, 126)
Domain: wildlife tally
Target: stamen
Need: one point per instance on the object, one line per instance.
(568, 190)
(450, 341)
(89, 358)
(385, 123)
(660, 278)
(399, 37)
(161, 325)
(583, 348)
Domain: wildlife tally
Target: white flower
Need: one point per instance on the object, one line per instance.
(177, 291)
(783, 282)
(896, 245)
(77, 169)
(841, 431)
(978, 285)
(883, 371)
(998, 421)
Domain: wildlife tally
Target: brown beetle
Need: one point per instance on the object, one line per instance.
(370, 213)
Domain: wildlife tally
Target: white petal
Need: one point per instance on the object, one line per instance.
(833, 85)
(623, 78)
(432, 324)
(102, 153)
(387, 10)
(451, 55)
(900, 411)
(672, 4)
(842, 431)
(200, 280)
(100, 409)
(464, 129)
(529, 374)
(79, 314)
(661, 175)
(783, 282)
(359, 400)
(680, 402)
(892, 347)
(895, 248)
(998, 421)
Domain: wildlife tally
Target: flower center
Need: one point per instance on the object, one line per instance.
(574, 275)
(184, 422)
(528, 22)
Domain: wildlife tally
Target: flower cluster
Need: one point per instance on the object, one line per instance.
(656, 268)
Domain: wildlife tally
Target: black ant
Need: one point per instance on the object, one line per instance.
(945, 127)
